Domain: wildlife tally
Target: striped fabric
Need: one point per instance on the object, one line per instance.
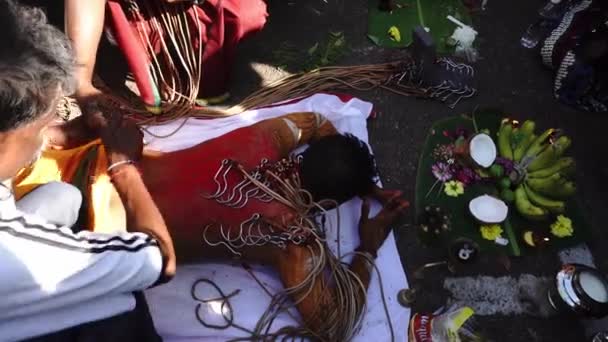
(53, 279)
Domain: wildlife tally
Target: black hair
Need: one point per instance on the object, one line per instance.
(338, 167)
(36, 62)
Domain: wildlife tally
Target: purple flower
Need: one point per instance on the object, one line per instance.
(442, 171)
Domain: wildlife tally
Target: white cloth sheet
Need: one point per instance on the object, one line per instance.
(172, 305)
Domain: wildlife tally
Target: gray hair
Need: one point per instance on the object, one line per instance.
(36, 65)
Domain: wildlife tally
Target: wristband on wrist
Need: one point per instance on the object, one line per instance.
(118, 164)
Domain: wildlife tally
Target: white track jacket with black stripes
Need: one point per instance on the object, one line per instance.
(52, 279)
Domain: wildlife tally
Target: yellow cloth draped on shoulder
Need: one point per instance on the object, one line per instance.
(84, 167)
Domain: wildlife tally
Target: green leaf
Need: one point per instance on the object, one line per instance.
(374, 39)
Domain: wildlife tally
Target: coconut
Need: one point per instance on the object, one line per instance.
(488, 209)
(482, 150)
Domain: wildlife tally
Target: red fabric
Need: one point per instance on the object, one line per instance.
(224, 23)
(134, 53)
(179, 180)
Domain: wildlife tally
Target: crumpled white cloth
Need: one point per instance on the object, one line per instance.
(172, 306)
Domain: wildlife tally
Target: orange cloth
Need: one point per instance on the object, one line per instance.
(84, 167)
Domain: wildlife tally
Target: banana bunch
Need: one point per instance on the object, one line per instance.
(542, 183)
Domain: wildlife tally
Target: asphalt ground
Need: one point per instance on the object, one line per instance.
(508, 76)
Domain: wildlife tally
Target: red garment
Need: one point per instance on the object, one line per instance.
(239, 19)
(224, 23)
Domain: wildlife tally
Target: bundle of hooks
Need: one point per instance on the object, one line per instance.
(342, 317)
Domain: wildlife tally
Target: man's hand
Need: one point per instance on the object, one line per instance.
(384, 195)
(71, 134)
(122, 139)
(373, 231)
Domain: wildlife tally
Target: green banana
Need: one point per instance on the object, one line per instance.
(504, 141)
(555, 207)
(526, 208)
(545, 185)
(565, 166)
(550, 154)
(538, 144)
(527, 133)
(516, 137)
(566, 190)
(554, 186)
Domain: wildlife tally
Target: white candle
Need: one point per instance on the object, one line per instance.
(594, 287)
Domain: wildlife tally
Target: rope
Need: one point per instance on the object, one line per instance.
(340, 318)
(360, 78)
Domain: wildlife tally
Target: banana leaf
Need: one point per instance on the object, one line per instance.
(463, 225)
(426, 13)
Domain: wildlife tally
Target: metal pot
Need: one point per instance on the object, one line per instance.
(581, 290)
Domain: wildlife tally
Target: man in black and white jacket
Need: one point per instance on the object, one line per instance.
(54, 282)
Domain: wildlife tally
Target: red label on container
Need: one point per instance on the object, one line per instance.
(420, 328)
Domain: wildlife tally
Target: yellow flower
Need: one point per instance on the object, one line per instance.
(394, 33)
(562, 227)
(454, 188)
(491, 232)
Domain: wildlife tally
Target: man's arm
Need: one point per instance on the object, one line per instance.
(124, 143)
(77, 277)
(143, 215)
(84, 25)
(320, 303)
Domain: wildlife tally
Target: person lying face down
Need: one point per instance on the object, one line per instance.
(241, 195)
